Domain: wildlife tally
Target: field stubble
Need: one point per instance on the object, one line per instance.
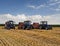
(34, 37)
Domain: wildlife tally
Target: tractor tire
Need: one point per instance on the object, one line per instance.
(18, 28)
(40, 27)
(23, 27)
(14, 28)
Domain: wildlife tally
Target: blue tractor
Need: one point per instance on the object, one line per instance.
(44, 25)
(10, 25)
(27, 25)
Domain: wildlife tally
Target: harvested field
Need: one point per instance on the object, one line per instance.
(34, 37)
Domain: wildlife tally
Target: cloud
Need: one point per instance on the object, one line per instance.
(6, 17)
(51, 5)
(31, 6)
(52, 19)
(54, 0)
(56, 8)
(54, 5)
(36, 7)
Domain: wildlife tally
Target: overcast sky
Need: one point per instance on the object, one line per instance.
(34, 10)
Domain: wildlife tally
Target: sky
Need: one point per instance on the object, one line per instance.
(34, 10)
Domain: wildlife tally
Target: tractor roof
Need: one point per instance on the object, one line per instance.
(10, 21)
(27, 21)
(43, 21)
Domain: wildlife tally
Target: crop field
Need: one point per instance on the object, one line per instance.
(34, 37)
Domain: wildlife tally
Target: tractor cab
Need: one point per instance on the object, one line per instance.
(44, 25)
(10, 25)
(27, 25)
(11, 22)
(43, 22)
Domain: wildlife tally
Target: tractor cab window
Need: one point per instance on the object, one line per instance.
(27, 22)
(43, 22)
(11, 22)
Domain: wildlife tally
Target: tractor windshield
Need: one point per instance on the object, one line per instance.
(11, 22)
(27, 22)
(43, 22)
